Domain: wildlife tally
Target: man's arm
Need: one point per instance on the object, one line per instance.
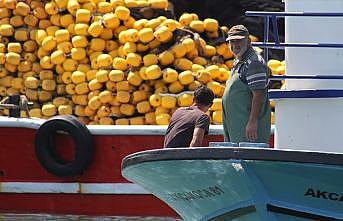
(256, 105)
(198, 136)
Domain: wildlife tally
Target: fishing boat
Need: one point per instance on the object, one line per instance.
(85, 183)
(81, 172)
(302, 177)
(60, 166)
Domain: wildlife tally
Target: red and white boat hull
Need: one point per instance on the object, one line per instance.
(27, 187)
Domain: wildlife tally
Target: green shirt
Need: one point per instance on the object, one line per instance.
(248, 74)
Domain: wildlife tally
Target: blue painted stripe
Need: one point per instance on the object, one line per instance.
(284, 14)
(315, 77)
(299, 45)
(306, 93)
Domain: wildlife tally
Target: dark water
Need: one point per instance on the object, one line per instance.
(43, 217)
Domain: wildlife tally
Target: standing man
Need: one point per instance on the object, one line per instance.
(246, 110)
(188, 125)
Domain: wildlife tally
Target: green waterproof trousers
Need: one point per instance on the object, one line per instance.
(236, 111)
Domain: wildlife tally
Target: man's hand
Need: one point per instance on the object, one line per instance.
(24, 105)
(251, 130)
(256, 104)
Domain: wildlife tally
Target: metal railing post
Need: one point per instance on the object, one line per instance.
(266, 37)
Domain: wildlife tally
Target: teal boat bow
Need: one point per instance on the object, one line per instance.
(242, 184)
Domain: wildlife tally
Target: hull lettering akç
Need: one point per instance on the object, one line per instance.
(324, 195)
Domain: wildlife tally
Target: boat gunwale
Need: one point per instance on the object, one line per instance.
(233, 153)
(35, 123)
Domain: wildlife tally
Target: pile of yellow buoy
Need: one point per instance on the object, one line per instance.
(93, 59)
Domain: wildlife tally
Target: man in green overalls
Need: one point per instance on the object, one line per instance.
(246, 110)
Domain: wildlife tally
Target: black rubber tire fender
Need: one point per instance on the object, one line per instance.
(47, 154)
